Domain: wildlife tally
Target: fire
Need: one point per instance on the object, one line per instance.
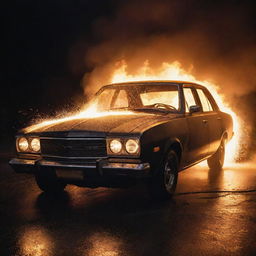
(167, 71)
(174, 71)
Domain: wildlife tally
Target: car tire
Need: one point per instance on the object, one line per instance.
(47, 181)
(216, 161)
(163, 184)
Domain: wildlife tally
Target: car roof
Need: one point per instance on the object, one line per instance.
(155, 82)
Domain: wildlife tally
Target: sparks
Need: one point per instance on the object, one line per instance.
(88, 112)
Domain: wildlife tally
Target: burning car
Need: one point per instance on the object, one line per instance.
(145, 131)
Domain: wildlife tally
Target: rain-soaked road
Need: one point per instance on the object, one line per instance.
(113, 222)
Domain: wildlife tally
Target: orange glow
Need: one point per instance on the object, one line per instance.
(167, 71)
(174, 71)
(35, 241)
(105, 244)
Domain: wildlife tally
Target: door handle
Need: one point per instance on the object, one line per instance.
(218, 118)
(205, 121)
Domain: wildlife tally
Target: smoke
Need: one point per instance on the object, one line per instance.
(217, 39)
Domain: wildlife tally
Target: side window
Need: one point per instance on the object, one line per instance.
(121, 100)
(206, 105)
(189, 98)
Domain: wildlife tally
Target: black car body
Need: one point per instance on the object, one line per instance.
(162, 138)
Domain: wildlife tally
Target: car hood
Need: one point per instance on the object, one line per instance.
(131, 123)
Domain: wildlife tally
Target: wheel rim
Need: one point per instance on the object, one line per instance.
(168, 176)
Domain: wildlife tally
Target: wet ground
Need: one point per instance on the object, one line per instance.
(113, 222)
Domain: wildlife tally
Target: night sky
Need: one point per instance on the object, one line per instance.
(40, 36)
(50, 45)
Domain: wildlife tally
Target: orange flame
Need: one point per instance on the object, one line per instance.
(174, 71)
(167, 71)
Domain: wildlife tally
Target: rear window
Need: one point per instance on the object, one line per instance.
(206, 104)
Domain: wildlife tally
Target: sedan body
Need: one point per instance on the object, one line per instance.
(149, 131)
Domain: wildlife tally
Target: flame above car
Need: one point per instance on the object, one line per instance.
(174, 71)
(145, 73)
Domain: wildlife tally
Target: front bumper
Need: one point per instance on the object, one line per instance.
(102, 167)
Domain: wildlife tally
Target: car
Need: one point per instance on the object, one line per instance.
(151, 132)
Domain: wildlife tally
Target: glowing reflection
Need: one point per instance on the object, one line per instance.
(200, 174)
(228, 226)
(35, 241)
(230, 179)
(234, 179)
(104, 244)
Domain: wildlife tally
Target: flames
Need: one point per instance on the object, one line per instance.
(174, 71)
(167, 71)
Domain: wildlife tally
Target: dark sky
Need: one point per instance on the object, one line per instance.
(50, 45)
(41, 35)
(37, 74)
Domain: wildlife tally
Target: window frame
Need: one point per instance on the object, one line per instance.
(196, 97)
(193, 93)
(210, 108)
(208, 95)
(212, 101)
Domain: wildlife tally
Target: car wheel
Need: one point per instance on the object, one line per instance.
(47, 181)
(216, 161)
(163, 184)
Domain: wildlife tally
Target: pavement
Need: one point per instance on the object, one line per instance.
(212, 213)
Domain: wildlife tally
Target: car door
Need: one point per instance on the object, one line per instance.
(213, 118)
(198, 139)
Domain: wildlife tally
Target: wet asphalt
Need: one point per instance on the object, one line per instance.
(199, 220)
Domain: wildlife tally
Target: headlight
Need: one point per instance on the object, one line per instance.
(35, 144)
(115, 146)
(22, 144)
(132, 146)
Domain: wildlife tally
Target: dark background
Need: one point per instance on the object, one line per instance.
(38, 79)
(48, 49)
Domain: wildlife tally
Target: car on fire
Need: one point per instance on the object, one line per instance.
(152, 131)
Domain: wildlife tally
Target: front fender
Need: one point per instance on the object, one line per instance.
(157, 141)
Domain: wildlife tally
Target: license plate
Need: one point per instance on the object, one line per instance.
(70, 174)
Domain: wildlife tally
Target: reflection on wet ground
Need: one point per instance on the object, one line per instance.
(113, 222)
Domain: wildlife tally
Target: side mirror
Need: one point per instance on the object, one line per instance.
(194, 109)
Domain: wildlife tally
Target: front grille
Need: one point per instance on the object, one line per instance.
(73, 147)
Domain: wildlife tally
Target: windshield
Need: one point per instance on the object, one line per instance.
(139, 97)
